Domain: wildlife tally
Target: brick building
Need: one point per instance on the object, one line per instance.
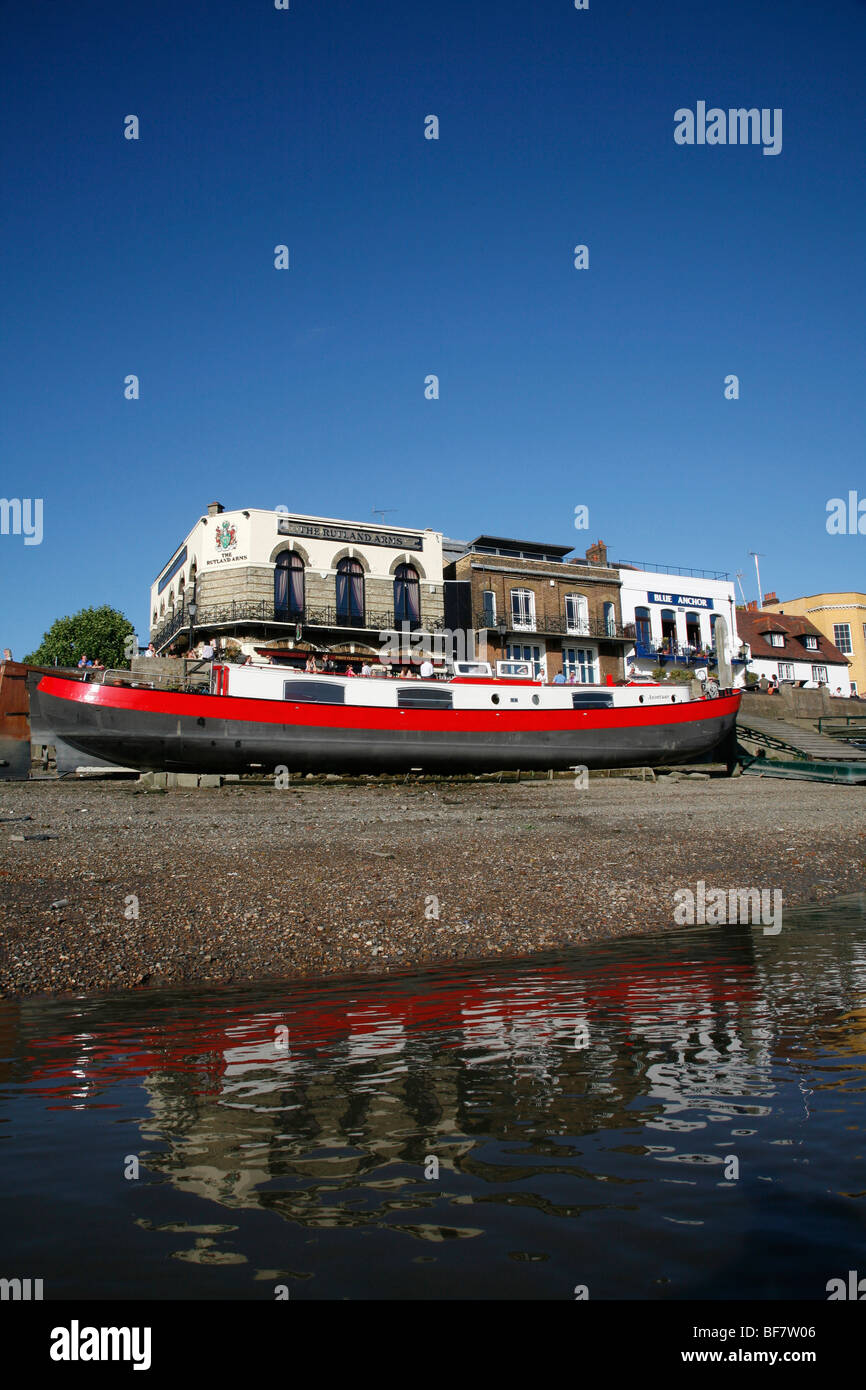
(527, 601)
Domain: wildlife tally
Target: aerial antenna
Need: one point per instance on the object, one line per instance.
(740, 582)
(382, 511)
(756, 553)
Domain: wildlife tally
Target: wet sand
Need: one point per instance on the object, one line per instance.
(248, 882)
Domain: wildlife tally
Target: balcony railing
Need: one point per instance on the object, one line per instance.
(680, 652)
(263, 611)
(599, 628)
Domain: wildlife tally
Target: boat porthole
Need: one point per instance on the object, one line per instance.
(535, 699)
(640, 699)
(495, 699)
(200, 723)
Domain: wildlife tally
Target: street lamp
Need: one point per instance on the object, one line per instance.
(502, 629)
(192, 609)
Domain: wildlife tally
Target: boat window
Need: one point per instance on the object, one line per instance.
(423, 697)
(592, 699)
(315, 692)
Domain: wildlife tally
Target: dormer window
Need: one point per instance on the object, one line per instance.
(777, 639)
(811, 643)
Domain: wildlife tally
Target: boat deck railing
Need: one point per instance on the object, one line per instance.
(195, 676)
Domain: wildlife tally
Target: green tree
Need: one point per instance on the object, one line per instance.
(102, 634)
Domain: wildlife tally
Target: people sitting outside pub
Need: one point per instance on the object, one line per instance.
(559, 678)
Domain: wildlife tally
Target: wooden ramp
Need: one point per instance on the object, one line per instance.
(782, 737)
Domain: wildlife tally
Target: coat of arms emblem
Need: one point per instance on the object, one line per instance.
(226, 536)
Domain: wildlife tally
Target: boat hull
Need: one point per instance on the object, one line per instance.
(209, 733)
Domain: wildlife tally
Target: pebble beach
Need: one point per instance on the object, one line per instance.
(124, 888)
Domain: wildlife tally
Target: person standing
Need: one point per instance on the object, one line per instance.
(427, 669)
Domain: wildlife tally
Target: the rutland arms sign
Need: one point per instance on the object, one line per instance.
(679, 600)
(354, 535)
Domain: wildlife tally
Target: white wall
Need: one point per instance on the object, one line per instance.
(257, 538)
(637, 585)
(838, 677)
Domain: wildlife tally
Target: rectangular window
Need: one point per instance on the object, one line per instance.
(786, 671)
(523, 609)
(811, 643)
(592, 699)
(854, 690)
(421, 697)
(777, 639)
(819, 674)
(315, 692)
(519, 651)
(580, 662)
(842, 636)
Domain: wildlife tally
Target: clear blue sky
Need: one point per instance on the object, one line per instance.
(306, 387)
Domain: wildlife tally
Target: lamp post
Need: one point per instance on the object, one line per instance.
(502, 629)
(192, 608)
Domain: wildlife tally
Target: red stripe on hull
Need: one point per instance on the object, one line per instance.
(282, 712)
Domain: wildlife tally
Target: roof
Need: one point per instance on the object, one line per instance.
(508, 546)
(752, 627)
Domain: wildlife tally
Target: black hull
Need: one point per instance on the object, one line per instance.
(171, 743)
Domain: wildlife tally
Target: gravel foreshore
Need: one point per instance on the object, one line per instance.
(250, 882)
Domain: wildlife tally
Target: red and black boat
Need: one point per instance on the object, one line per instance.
(263, 717)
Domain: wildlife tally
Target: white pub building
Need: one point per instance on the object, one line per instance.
(255, 582)
(674, 612)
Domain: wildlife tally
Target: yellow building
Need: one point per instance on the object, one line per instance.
(841, 618)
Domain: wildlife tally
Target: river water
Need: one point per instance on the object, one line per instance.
(678, 1116)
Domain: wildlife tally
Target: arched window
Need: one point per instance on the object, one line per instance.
(693, 629)
(576, 614)
(669, 629)
(289, 586)
(407, 596)
(642, 627)
(350, 594)
(610, 619)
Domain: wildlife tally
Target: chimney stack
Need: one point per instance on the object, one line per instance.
(771, 597)
(214, 508)
(597, 554)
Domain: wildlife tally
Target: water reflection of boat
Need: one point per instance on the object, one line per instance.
(568, 1104)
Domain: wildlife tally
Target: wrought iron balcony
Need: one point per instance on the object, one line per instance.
(662, 653)
(600, 629)
(265, 612)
